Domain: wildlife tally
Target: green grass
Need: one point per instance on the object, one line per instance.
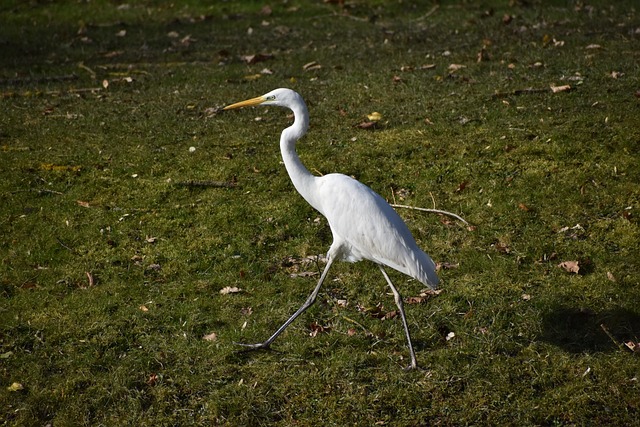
(92, 181)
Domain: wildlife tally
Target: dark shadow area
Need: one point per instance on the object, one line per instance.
(583, 330)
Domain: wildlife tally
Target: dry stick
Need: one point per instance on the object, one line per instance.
(194, 183)
(438, 211)
(526, 91)
(606, 331)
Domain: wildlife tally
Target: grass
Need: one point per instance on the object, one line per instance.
(112, 260)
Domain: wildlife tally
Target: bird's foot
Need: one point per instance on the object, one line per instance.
(413, 367)
(259, 346)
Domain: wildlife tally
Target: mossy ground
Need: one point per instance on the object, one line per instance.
(112, 259)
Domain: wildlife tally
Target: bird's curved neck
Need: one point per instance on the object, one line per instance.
(302, 179)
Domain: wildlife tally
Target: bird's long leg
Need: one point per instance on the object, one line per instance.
(308, 303)
(399, 303)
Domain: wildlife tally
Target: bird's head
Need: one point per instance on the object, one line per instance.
(278, 97)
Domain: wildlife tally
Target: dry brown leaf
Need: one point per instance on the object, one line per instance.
(210, 337)
(445, 266)
(610, 276)
(143, 308)
(461, 187)
(570, 266)
(563, 88)
(318, 329)
(255, 58)
(391, 315)
(153, 379)
(366, 125)
(304, 274)
(83, 204)
(230, 290)
(415, 300)
(456, 67)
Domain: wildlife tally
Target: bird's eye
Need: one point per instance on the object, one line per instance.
(271, 98)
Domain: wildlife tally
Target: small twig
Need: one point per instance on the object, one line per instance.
(366, 331)
(194, 183)
(64, 245)
(428, 14)
(37, 80)
(90, 278)
(438, 211)
(526, 91)
(606, 331)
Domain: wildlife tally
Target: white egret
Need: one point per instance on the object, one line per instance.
(363, 224)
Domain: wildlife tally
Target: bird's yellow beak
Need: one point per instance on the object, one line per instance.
(247, 103)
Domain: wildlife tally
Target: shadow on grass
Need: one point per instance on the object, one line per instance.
(582, 330)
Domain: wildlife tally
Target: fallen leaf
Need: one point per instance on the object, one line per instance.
(526, 297)
(210, 337)
(523, 207)
(310, 66)
(610, 276)
(593, 46)
(266, 10)
(446, 266)
(563, 88)
(391, 315)
(153, 378)
(304, 274)
(15, 387)
(255, 58)
(150, 239)
(317, 329)
(143, 308)
(461, 187)
(616, 74)
(450, 336)
(456, 67)
(502, 247)
(83, 204)
(570, 266)
(366, 125)
(230, 290)
(633, 346)
(246, 311)
(375, 116)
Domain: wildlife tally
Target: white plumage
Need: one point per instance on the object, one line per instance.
(363, 224)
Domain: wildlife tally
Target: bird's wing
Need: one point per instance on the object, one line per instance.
(366, 227)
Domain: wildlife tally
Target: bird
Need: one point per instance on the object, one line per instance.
(364, 226)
